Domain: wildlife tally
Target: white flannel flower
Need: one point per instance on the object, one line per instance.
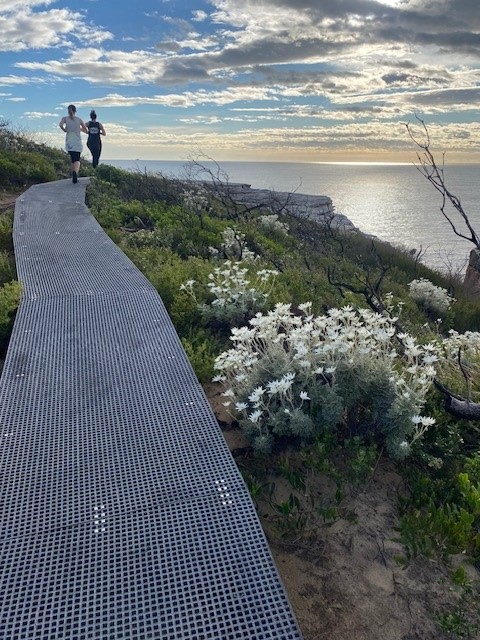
(256, 395)
(306, 307)
(286, 347)
(255, 416)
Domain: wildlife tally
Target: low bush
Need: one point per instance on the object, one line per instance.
(10, 294)
(6, 226)
(20, 168)
(299, 376)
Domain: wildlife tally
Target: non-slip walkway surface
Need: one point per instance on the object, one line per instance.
(122, 513)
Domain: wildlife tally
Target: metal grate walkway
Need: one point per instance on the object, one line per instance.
(123, 515)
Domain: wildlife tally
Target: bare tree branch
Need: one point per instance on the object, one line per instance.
(435, 175)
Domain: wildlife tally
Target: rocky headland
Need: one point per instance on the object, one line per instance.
(310, 207)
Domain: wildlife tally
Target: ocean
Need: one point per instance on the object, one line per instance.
(391, 201)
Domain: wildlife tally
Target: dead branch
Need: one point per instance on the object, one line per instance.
(457, 405)
(217, 181)
(369, 289)
(434, 173)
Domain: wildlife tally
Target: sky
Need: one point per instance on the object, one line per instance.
(253, 80)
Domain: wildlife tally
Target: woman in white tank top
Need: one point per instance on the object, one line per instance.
(72, 125)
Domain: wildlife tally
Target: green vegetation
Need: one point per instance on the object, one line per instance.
(10, 288)
(188, 245)
(315, 396)
(24, 162)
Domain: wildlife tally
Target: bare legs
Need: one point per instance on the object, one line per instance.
(75, 170)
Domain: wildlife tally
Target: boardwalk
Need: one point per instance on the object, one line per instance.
(123, 515)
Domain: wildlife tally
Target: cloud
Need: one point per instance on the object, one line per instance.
(185, 99)
(10, 6)
(36, 115)
(199, 16)
(18, 80)
(263, 36)
(319, 139)
(262, 70)
(24, 29)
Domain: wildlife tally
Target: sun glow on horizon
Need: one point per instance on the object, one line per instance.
(364, 163)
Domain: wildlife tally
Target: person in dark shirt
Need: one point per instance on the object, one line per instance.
(94, 142)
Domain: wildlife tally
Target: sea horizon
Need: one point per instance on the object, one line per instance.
(348, 162)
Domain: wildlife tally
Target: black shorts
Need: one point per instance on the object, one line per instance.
(74, 155)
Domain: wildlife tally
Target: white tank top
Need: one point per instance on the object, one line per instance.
(73, 141)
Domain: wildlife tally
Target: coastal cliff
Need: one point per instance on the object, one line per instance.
(310, 207)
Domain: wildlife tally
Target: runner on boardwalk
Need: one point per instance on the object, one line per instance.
(72, 125)
(94, 142)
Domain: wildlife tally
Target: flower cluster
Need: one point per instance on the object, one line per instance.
(234, 246)
(431, 297)
(460, 363)
(290, 375)
(272, 223)
(468, 343)
(235, 296)
(195, 199)
(144, 238)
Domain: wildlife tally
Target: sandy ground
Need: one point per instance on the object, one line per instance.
(7, 199)
(344, 580)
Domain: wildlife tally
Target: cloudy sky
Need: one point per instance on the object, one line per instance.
(284, 80)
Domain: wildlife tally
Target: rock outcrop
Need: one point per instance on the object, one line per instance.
(317, 208)
(472, 277)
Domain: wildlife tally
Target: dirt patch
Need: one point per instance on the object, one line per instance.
(345, 580)
(7, 200)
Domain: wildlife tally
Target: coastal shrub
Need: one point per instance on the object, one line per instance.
(201, 350)
(140, 185)
(143, 239)
(135, 214)
(7, 267)
(58, 159)
(36, 167)
(195, 201)
(161, 225)
(467, 315)
(10, 294)
(166, 270)
(459, 363)
(108, 173)
(299, 376)
(6, 228)
(234, 246)
(236, 291)
(442, 514)
(277, 250)
(272, 224)
(185, 314)
(433, 299)
(22, 167)
(11, 174)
